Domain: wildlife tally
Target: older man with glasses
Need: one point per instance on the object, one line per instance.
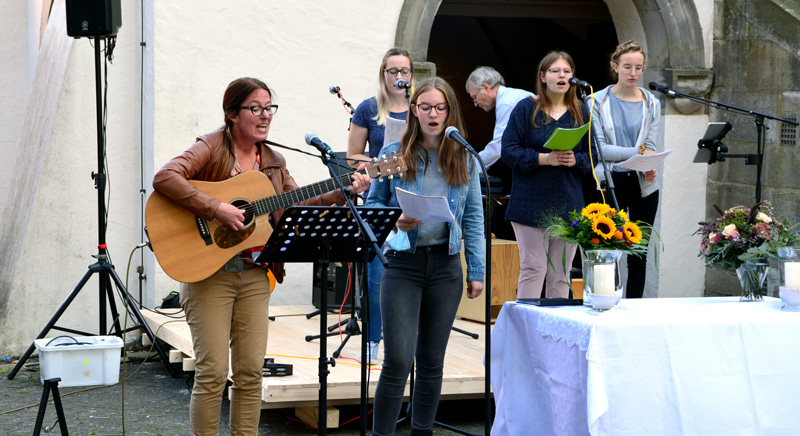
(487, 90)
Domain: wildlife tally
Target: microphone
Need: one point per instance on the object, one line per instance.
(452, 134)
(402, 84)
(313, 139)
(579, 83)
(334, 89)
(660, 88)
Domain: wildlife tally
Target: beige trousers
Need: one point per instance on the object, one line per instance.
(534, 249)
(227, 311)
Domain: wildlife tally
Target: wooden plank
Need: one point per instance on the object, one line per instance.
(463, 372)
(505, 276)
(310, 415)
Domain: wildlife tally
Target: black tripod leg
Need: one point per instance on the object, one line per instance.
(37, 429)
(62, 421)
(310, 338)
(50, 324)
(464, 332)
(112, 305)
(143, 324)
(344, 342)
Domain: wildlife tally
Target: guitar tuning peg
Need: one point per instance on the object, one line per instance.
(374, 159)
(390, 176)
(380, 179)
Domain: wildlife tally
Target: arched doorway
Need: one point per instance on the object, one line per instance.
(671, 34)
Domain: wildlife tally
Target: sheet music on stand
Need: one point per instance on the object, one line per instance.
(303, 228)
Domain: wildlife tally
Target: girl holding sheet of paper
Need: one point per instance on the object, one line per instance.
(369, 127)
(625, 121)
(422, 285)
(545, 182)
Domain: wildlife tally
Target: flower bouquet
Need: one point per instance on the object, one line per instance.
(604, 235)
(600, 227)
(743, 238)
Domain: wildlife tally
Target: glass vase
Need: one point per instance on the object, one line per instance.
(751, 275)
(601, 278)
(789, 284)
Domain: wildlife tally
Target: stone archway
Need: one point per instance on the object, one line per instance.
(671, 33)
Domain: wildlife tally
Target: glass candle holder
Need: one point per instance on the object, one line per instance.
(601, 278)
(789, 284)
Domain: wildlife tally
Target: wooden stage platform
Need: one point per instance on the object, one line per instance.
(463, 370)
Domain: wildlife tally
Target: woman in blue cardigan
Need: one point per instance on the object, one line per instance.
(544, 182)
(626, 119)
(422, 286)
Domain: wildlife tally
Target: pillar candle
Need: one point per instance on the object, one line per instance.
(604, 279)
(791, 271)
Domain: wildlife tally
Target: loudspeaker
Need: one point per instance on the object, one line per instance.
(337, 285)
(93, 18)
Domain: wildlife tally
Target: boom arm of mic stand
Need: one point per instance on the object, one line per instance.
(365, 229)
(609, 180)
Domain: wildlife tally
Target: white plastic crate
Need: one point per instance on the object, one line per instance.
(80, 360)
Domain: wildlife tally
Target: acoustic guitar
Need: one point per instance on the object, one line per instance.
(191, 249)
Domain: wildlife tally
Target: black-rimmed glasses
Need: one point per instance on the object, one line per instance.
(258, 110)
(441, 108)
(393, 71)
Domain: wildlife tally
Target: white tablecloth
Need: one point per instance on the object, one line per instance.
(683, 366)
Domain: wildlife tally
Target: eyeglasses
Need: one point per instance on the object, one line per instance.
(258, 110)
(556, 71)
(441, 108)
(393, 71)
(627, 68)
(474, 97)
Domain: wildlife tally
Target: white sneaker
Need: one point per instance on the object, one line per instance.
(372, 352)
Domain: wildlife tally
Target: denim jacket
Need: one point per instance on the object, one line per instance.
(465, 204)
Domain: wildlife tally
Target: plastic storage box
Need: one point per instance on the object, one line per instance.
(80, 361)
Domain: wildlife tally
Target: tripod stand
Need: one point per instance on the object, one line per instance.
(106, 271)
(351, 323)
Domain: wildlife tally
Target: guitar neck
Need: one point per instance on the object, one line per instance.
(288, 198)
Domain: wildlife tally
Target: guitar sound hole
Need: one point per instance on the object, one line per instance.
(248, 211)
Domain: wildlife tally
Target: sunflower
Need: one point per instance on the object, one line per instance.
(595, 209)
(632, 232)
(604, 226)
(623, 215)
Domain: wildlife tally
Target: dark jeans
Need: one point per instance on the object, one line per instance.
(629, 197)
(374, 273)
(420, 294)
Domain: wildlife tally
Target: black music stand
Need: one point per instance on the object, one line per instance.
(324, 234)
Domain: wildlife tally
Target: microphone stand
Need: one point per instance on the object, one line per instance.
(487, 291)
(759, 118)
(370, 241)
(609, 182)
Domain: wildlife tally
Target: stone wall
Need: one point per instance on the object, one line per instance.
(756, 67)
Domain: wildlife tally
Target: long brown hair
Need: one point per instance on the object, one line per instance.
(543, 102)
(452, 156)
(382, 99)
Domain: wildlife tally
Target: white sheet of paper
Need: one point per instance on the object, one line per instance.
(644, 162)
(424, 208)
(394, 130)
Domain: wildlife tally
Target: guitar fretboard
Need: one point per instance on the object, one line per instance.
(288, 198)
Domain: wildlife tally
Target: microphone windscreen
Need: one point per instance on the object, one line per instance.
(310, 137)
(654, 86)
(334, 89)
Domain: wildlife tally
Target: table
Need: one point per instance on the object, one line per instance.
(682, 366)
